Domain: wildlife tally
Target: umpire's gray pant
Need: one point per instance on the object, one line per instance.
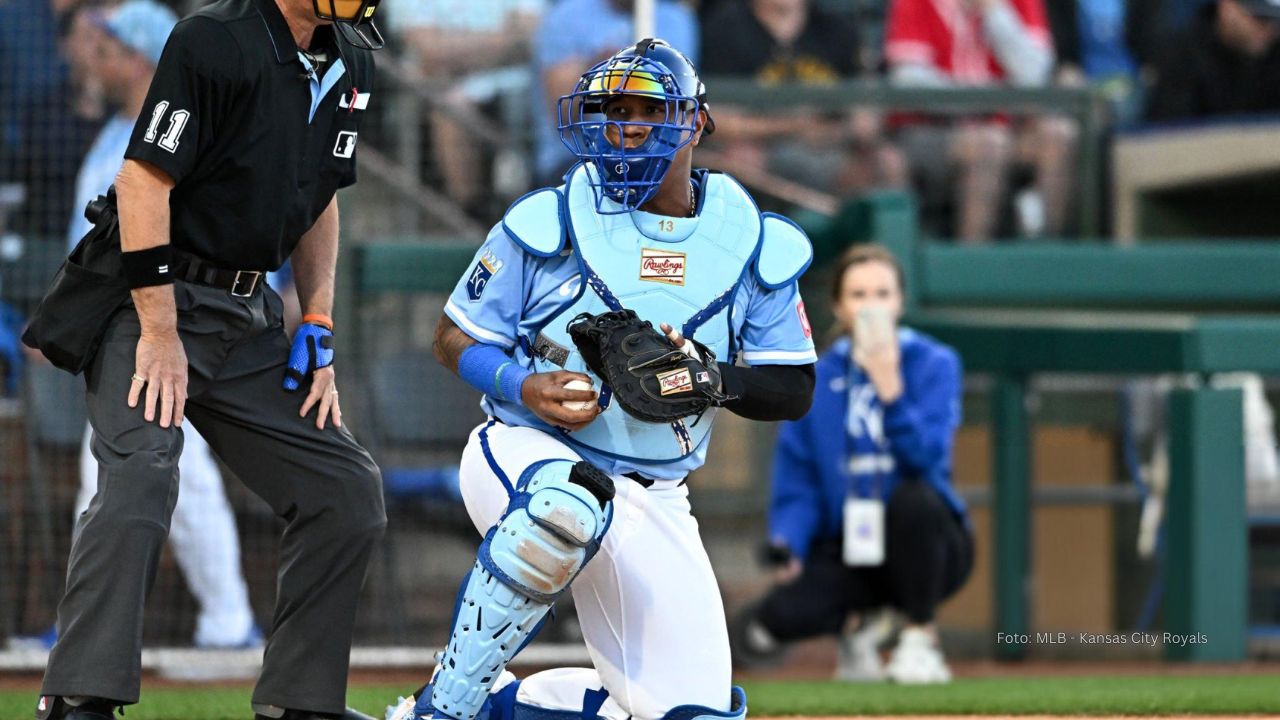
(321, 483)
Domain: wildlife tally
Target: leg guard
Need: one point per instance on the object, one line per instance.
(552, 527)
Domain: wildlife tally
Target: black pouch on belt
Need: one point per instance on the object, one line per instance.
(87, 290)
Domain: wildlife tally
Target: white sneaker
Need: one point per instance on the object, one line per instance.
(859, 660)
(917, 660)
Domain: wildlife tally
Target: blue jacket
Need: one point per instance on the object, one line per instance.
(832, 452)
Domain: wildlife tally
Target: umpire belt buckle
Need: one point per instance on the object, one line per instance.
(245, 277)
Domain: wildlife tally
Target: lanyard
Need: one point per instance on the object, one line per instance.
(862, 406)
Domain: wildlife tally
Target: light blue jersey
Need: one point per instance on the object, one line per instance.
(98, 171)
(510, 294)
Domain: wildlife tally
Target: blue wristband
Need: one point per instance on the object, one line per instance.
(490, 370)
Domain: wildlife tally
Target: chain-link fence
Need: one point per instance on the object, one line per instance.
(411, 413)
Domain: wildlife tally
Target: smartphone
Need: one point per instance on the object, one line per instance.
(873, 328)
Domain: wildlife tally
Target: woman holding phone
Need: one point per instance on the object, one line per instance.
(863, 516)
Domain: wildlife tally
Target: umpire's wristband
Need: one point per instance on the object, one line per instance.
(145, 268)
(490, 370)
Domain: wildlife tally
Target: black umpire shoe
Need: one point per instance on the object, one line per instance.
(52, 707)
(350, 714)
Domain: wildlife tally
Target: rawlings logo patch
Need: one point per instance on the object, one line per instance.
(481, 274)
(662, 266)
(675, 381)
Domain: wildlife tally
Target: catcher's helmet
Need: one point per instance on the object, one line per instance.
(354, 19)
(655, 71)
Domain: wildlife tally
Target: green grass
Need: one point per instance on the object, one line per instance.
(1024, 695)
(1248, 694)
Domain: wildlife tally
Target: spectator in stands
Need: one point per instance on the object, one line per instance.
(478, 54)
(930, 43)
(48, 116)
(863, 515)
(578, 33)
(30, 65)
(1109, 44)
(203, 530)
(790, 41)
(1226, 63)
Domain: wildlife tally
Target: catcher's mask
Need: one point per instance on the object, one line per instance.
(662, 76)
(354, 19)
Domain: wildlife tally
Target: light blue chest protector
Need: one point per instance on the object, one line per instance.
(686, 278)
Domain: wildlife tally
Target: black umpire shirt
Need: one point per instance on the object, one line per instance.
(256, 140)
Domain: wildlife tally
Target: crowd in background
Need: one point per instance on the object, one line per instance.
(491, 72)
(978, 177)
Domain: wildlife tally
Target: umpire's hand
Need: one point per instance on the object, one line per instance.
(160, 366)
(312, 356)
(324, 392)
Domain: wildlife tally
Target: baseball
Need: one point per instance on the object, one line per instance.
(577, 404)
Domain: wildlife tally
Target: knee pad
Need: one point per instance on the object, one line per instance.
(737, 709)
(552, 527)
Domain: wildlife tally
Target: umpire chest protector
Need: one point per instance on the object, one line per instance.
(682, 271)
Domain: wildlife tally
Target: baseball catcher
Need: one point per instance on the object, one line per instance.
(607, 322)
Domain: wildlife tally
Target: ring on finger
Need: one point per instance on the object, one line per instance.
(139, 378)
(333, 392)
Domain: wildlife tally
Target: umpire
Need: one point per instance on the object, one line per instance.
(248, 129)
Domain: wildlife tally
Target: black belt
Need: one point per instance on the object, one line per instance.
(644, 481)
(647, 482)
(241, 283)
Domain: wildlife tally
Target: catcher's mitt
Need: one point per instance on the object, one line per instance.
(652, 379)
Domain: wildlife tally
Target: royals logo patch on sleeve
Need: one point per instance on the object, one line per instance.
(804, 320)
(481, 274)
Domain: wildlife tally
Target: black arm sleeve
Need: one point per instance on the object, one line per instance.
(768, 392)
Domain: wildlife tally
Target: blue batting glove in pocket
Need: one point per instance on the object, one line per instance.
(312, 350)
